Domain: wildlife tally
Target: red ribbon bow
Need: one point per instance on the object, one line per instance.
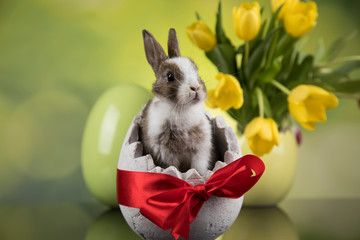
(170, 202)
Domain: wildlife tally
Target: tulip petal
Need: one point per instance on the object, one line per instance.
(201, 35)
(329, 100)
(223, 102)
(275, 132)
(247, 20)
(299, 111)
(250, 25)
(296, 24)
(253, 127)
(308, 125)
(262, 134)
(266, 130)
(275, 4)
(300, 19)
(210, 99)
(308, 104)
(228, 93)
(287, 7)
(316, 111)
(260, 146)
(299, 94)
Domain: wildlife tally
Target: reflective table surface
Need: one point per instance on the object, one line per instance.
(292, 219)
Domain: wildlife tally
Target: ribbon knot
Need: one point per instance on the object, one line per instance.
(200, 192)
(172, 203)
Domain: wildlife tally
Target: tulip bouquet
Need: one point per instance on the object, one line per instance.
(266, 80)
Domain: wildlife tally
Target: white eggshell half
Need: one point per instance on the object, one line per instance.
(216, 215)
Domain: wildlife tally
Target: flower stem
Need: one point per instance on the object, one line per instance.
(280, 87)
(260, 99)
(247, 52)
(271, 51)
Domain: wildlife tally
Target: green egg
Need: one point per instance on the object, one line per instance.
(104, 133)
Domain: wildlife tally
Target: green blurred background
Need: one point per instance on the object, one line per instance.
(59, 56)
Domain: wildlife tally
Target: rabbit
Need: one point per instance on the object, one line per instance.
(174, 129)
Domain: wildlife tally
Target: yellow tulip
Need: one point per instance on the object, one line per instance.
(262, 134)
(201, 35)
(275, 4)
(301, 19)
(247, 20)
(308, 104)
(288, 5)
(227, 94)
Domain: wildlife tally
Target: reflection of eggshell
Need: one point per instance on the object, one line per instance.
(110, 226)
(104, 132)
(216, 215)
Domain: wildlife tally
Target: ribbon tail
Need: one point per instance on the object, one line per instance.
(175, 235)
(175, 214)
(184, 216)
(179, 221)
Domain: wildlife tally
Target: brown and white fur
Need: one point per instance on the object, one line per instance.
(174, 128)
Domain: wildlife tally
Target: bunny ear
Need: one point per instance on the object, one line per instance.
(173, 44)
(155, 54)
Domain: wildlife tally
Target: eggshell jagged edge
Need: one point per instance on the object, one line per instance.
(131, 157)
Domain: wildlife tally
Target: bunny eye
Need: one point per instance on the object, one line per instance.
(170, 76)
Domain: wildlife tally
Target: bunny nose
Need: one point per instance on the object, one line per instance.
(194, 88)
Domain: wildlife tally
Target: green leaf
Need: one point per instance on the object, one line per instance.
(340, 73)
(257, 40)
(254, 44)
(287, 63)
(223, 57)
(271, 50)
(197, 16)
(256, 58)
(301, 73)
(273, 21)
(220, 33)
(241, 49)
(321, 84)
(253, 100)
(268, 74)
(320, 51)
(279, 107)
(286, 42)
(352, 86)
(348, 67)
(267, 106)
(234, 113)
(245, 114)
(337, 46)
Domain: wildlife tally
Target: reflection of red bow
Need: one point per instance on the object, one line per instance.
(170, 202)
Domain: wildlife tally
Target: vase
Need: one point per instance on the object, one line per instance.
(216, 215)
(279, 174)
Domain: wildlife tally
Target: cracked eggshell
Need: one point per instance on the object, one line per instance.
(216, 215)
